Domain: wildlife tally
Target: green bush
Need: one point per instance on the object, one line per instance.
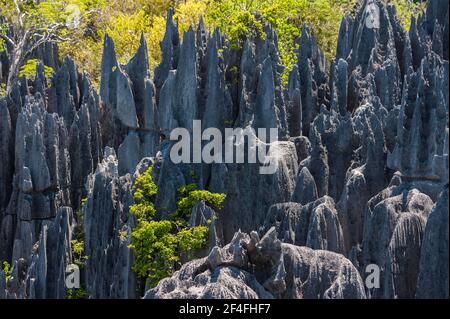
(238, 19)
(155, 248)
(77, 252)
(406, 9)
(144, 192)
(7, 269)
(28, 70)
(189, 196)
(159, 245)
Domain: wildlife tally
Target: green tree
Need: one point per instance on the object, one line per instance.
(161, 245)
(189, 195)
(239, 20)
(7, 269)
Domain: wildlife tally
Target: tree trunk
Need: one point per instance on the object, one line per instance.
(17, 60)
(12, 77)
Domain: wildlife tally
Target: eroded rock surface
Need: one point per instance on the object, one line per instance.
(250, 268)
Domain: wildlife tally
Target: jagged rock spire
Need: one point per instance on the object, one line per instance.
(170, 47)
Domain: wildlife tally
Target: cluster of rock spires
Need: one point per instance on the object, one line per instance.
(362, 172)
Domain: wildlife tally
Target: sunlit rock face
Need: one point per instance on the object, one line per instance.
(252, 268)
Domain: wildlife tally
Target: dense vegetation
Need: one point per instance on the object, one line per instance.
(161, 245)
(7, 270)
(80, 25)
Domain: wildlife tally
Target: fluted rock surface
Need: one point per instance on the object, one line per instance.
(315, 225)
(107, 227)
(433, 267)
(250, 268)
(361, 163)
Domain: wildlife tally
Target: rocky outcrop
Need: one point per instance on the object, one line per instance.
(170, 47)
(305, 187)
(41, 177)
(53, 142)
(308, 84)
(250, 268)
(129, 119)
(433, 266)
(107, 227)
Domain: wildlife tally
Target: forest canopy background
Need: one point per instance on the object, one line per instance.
(125, 21)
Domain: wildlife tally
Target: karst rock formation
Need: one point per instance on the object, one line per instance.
(362, 174)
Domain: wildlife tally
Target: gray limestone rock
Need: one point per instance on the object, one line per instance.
(249, 193)
(280, 270)
(6, 153)
(170, 48)
(108, 269)
(368, 131)
(315, 225)
(305, 188)
(433, 268)
(129, 153)
(185, 101)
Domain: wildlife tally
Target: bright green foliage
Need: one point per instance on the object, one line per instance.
(189, 196)
(192, 239)
(28, 70)
(158, 247)
(144, 192)
(155, 248)
(125, 30)
(2, 42)
(7, 269)
(406, 9)
(77, 251)
(161, 245)
(237, 19)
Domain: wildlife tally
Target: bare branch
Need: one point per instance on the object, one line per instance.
(19, 13)
(50, 35)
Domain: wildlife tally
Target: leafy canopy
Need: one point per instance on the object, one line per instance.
(85, 22)
(160, 245)
(26, 25)
(28, 70)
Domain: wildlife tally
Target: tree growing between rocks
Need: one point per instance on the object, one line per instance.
(161, 246)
